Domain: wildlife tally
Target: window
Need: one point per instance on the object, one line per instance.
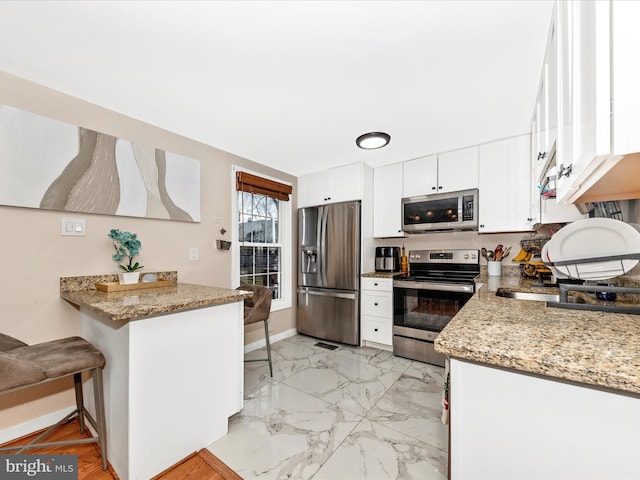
(262, 236)
(259, 235)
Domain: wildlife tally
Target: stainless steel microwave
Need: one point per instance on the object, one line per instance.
(441, 211)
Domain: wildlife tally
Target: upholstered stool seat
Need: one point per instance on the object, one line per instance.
(257, 309)
(23, 366)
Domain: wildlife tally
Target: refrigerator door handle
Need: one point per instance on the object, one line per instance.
(323, 246)
(348, 296)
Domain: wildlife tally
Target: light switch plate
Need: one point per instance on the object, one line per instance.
(73, 227)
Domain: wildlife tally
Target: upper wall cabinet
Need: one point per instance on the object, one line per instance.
(504, 203)
(334, 185)
(544, 128)
(387, 198)
(446, 172)
(598, 94)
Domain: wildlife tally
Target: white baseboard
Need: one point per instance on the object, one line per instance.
(250, 347)
(33, 425)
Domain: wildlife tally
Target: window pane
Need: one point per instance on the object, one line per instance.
(260, 205)
(272, 208)
(261, 261)
(246, 260)
(245, 202)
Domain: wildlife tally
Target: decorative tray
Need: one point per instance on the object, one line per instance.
(118, 287)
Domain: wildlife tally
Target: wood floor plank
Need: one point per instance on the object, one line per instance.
(202, 465)
(218, 465)
(193, 469)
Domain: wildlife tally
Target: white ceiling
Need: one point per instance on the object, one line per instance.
(292, 84)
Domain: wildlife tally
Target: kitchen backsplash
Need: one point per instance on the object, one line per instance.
(436, 240)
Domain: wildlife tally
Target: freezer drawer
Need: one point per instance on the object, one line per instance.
(332, 315)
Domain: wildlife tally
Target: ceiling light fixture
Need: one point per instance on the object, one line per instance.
(373, 140)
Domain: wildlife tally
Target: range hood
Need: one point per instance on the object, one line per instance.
(608, 178)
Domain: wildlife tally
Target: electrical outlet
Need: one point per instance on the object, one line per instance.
(193, 254)
(218, 217)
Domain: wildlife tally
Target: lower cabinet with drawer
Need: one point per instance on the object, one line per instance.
(377, 311)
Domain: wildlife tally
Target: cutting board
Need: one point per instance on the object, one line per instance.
(117, 287)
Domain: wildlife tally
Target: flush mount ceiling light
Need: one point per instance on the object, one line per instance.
(373, 140)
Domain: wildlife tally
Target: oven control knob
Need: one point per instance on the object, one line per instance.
(473, 256)
(466, 256)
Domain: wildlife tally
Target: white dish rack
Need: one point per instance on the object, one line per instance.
(596, 268)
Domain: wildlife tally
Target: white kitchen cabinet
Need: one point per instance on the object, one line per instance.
(377, 311)
(387, 198)
(445, 172)
(545, 122)
(334, 185)
(510, 425)
(599, 96)
(504, 202)
(420, 176)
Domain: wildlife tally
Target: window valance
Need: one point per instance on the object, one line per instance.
(245, 182)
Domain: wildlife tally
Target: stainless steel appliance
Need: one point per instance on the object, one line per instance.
(437, 286)
(387, 259)
(441, 211)
(329, 272)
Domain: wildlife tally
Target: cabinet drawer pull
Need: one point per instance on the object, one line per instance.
(375, 304)
(375, 284)
(375, 329)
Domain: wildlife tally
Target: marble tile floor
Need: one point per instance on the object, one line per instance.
(350, 413)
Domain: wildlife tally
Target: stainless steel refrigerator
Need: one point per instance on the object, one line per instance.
(329, 272)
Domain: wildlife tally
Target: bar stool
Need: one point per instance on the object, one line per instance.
(257, 309)
(23, 366)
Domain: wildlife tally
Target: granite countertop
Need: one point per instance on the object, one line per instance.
(136, 304)
(594, 348)
(380, 274)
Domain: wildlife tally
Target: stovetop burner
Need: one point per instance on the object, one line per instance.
(438, 276)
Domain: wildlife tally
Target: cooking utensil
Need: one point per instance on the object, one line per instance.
(484, 253)
(506, 253)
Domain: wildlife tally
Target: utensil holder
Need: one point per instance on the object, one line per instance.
(494, 268)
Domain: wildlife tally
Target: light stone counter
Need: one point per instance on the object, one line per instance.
(594, 348)
(136, 304)
(380, 274)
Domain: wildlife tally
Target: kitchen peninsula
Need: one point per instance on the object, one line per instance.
(539, 392)
(174, 371)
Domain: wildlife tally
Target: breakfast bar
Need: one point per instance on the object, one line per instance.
(174, 366)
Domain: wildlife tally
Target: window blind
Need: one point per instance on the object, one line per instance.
(245, 182)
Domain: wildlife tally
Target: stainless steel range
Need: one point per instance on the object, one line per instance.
(437, 286)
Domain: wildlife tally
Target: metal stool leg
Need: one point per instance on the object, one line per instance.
(77, 383)
(266, 336)
(98, 392)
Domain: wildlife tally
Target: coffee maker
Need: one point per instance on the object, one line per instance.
(387, 259)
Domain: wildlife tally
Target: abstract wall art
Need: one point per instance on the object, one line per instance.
(49, 164)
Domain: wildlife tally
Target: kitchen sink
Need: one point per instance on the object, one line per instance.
(538, 297)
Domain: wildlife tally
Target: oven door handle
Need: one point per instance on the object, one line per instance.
(442, 287)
